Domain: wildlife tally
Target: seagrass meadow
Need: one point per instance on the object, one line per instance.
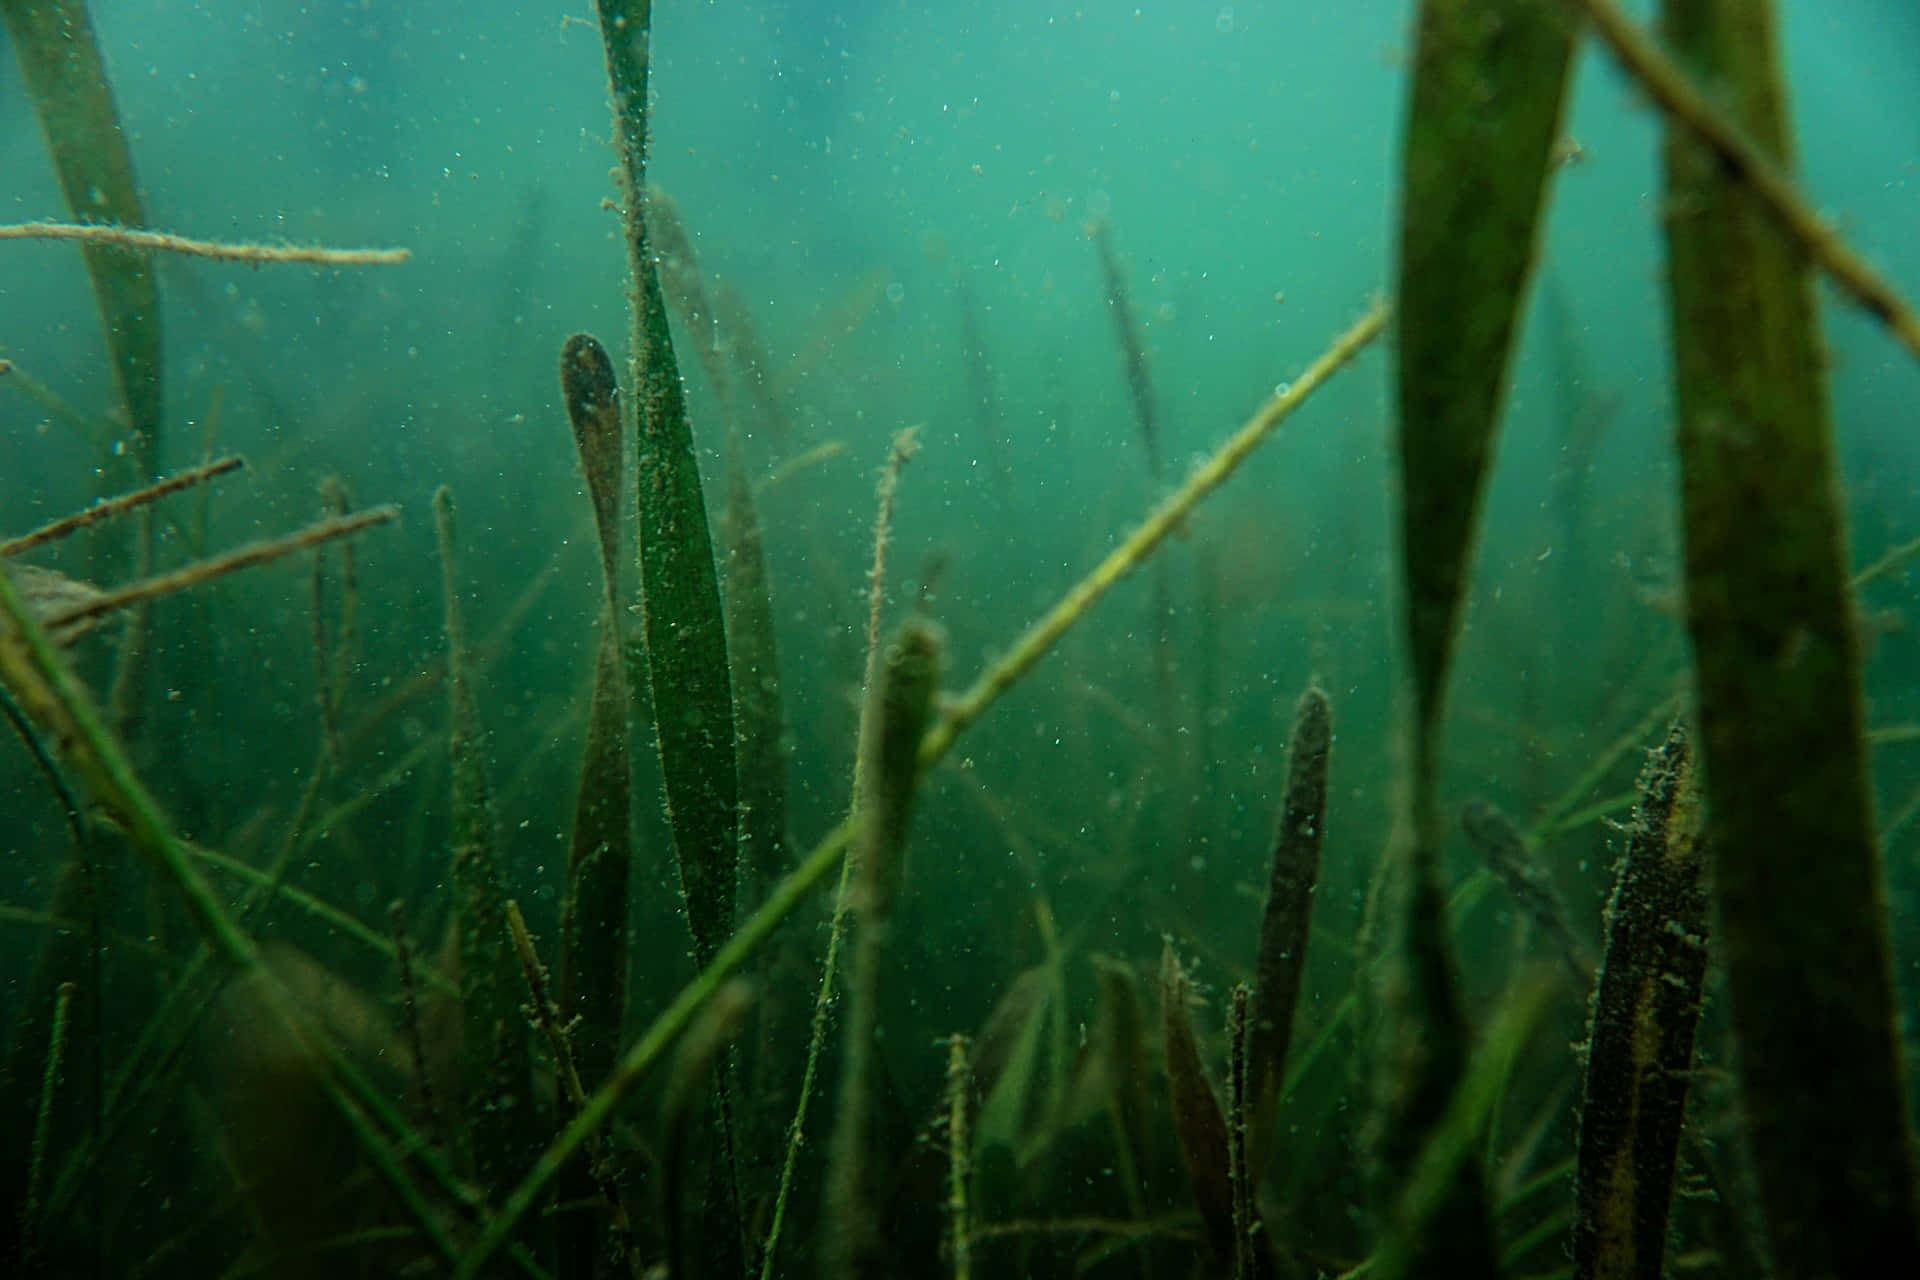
(825, 638)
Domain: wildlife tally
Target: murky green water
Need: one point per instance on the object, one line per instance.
(893, 209)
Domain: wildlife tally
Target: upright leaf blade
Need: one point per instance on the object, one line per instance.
(1640, 1041)
(496, 1070)
(593, 969)
(1802, 906)
(854, 1246)
(686, 640)
(1293, 874)
(66, 78)
(679, 589)
(1489, 80)
(1198, 1120)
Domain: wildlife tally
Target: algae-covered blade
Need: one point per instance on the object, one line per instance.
(1489, 80)
(66, 79)
(1797, 875)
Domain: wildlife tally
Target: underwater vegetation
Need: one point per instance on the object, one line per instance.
(921, 1006)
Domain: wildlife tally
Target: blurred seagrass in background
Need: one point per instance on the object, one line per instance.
(703, 859)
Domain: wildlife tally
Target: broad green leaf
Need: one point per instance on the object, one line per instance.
(66, 79)
(1801, 893)
(1489, 80)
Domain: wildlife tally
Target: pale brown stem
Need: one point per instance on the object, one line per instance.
(202, 571)
(1681, 101)
(165, 242)
(115, 506)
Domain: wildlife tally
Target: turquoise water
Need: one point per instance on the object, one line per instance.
(875, 180)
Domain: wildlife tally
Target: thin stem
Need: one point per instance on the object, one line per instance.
(410, 1014)
(1682, 102)
(546, 1016)
(203, 571)
(43, 1124)
(163, 242)
(110, 507)
(905, 444)
(959, 1156)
